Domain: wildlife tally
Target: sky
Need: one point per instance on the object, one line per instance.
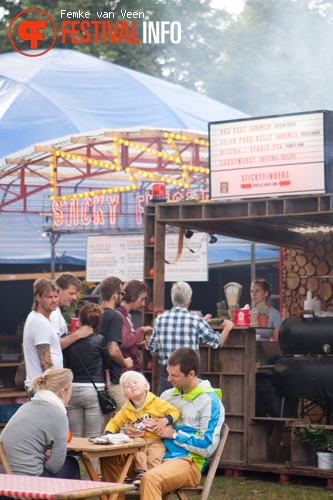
(232, 6)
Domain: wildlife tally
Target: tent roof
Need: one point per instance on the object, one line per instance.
(72, 248)
(67, 92)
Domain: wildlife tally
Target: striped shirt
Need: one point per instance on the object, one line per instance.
(180, 328)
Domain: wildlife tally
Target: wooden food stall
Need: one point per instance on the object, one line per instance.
(254, 443)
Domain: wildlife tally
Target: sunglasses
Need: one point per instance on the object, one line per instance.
(121, 293)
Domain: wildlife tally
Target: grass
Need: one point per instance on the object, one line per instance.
(267, 487)
(260, 486)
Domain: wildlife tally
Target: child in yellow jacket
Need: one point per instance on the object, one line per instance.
(143, 404)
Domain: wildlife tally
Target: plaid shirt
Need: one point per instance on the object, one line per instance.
(180, 328)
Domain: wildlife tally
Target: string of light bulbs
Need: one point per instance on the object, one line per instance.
(116, 166)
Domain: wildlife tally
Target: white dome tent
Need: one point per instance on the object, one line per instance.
(48, 100)
(67, 92)
(70, 101)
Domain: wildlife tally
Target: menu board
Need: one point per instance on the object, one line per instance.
(274, 155)
(123, 256)
(193, 263)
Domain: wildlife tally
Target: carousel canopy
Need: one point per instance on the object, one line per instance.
(67, 92)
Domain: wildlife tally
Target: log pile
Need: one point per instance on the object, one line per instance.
(309, 269)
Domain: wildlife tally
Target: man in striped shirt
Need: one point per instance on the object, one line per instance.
(180, 328)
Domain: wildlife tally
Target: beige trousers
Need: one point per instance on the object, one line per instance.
(145, 460)
(169, 476)
(166, 477)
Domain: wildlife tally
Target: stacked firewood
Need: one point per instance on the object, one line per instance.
(308, 269)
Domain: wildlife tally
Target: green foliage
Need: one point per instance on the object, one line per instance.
(236, 306)
(70, 311)
(221, 304)
(222, 309)
(181, 63)
(262, 310)
(215, 321)
(141, 57)
(275, 58)
(199, 53)
(318, 437)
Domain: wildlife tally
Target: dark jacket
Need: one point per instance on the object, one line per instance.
(94, 354)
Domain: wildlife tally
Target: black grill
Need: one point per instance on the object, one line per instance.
(306, 369)
(304, 335)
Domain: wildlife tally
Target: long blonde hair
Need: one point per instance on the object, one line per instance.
(53, 379)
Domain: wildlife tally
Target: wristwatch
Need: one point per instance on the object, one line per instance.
(174, 435)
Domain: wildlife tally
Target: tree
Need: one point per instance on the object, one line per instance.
(276, 58)
(181, 63)
(199, 52)
(137, 57)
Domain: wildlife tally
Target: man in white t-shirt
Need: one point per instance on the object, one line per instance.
(41, 344)
(69, 286)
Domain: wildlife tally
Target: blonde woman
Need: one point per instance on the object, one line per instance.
(35, 438)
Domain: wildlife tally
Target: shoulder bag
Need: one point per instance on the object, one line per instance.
(106, 401)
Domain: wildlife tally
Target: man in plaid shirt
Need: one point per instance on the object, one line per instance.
(180, 328)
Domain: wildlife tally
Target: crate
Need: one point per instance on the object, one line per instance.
(7, 411)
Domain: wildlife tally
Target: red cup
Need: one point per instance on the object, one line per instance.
(74, 323)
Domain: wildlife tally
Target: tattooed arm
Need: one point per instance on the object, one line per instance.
(44, 354)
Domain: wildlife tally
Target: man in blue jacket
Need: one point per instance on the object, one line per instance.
(190, 441)
(194, 437)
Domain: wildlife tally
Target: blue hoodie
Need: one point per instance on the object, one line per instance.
(199, 425)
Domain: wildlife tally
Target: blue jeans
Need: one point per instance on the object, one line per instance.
(163, 384)
(70, 470)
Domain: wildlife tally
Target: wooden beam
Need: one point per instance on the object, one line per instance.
(122, 135)
(34, 276)
(151, 133)
(20, 161)
(245, 230)
(45, 149)
(186, 133)
(90, 140)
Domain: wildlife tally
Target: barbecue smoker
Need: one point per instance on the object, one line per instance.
(306, 370)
